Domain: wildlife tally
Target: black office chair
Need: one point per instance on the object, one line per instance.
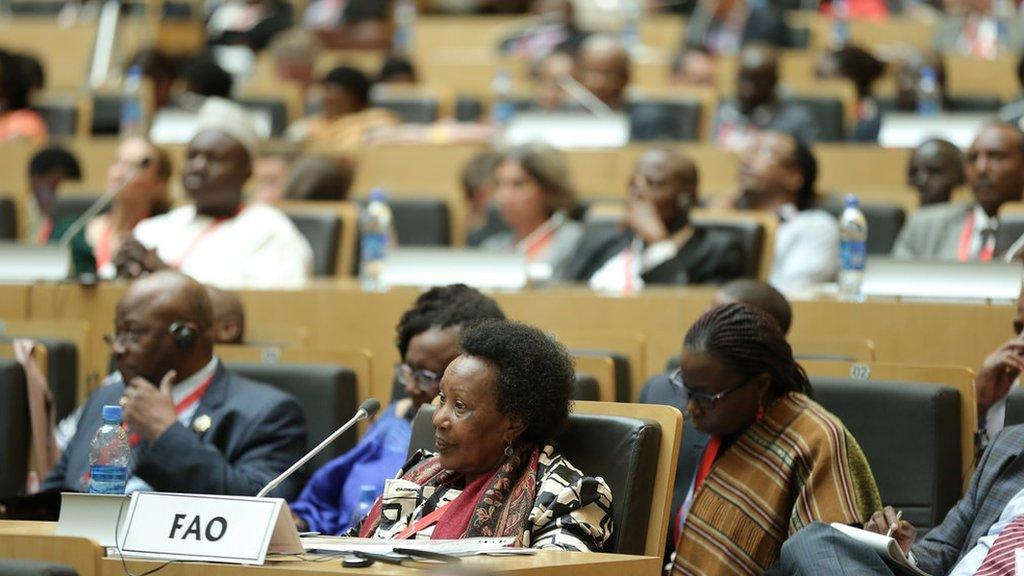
(664, 120)
(71, 207)
(1011, 228)
(61, 119)
(15, 435)
(917, 469)
(1014, 407)
(276, 109)
(751, 237)
(323, 232)
(326, 393)
(8, 219)
(61, 373)
(9, 567)
(412, 109)
(468, 108)
(827, 112)
(419, 221)
(620, 367)
(623, 451)
(106, 114)
(975, 103)
(884, 222)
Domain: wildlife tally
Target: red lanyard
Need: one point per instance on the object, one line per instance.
(537, 246)
(707, 460)
(45, 229)
(103, 248)
(963, 252)
(180, 407)
(627, 288)
(177, 264)
(422, 523)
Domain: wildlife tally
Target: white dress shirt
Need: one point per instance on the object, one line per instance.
(971, 561)
(631, 263)
(806, 248)
(258, 248)
(982, 222)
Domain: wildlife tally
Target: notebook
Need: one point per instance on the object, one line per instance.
(885, 546)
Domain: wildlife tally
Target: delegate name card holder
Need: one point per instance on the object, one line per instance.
(204, 528)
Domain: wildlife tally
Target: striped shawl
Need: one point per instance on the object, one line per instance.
(796, 466)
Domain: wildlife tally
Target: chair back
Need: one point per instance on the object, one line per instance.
(662, 119)
(827, 112)
(633, 447)
(326, 393)
(884, 222)
(1014, 407)
(15, 436)
(420, 221)
(10, 567)
(8, 219)
(755, 231)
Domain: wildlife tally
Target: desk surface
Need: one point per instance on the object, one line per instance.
(36, 541)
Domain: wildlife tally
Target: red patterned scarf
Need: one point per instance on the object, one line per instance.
(502, 510)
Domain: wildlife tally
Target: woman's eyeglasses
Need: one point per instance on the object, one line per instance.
(424, 379)
(705, 401)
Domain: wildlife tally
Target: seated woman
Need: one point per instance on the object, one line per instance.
(143, 193)
(428, 340)
(496, 472)
(534, 195)
(776, 460)
(18, 121)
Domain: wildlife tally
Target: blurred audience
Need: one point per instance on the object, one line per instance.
(777, 175)
(161, 70)
(218, 240)
(346, 118)
(18, 121)
(694, 66)
(350, 23)
(976, 28)
(863, 69)
(655, 242)
(1014, 111)
(534, 194)
(204, 77)
(477, 180)
(47, 170)
(552, 28)
(726, 26)
(249, 23)
(602, 67)
(936, 169)
(548, 75)
(271, 171)
(294, 54)
(398, 71)
(963, 232)
(757, 107)
(910, 70)
(228, 316)
(319, 178)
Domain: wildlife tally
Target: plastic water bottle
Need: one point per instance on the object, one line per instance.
(131, 103)
(853, 236)
(629, 33)
(405, 22)
(503, 109)
(109, 455)
(367, 497)
(375, 240)
(840, 23)
(929, 101)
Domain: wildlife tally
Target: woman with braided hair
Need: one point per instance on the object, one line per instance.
(776, 460)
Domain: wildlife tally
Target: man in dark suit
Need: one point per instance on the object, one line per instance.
(655, 243)
(203, 429)
(967, 541)
(725, 26)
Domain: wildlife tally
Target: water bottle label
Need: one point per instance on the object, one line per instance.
(374, 246)
(852, 255)
(503, 112)
(107, 479)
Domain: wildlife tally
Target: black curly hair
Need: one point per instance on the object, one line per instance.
(444, 306)
(749, 342)
(535, 374)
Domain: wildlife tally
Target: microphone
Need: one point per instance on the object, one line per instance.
(100, 204)
(366, 410)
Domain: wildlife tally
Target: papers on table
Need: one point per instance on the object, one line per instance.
(463, 547)
(885, 546)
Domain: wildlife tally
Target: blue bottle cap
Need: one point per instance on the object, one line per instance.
(111, 413)
(378, 195)
(852, 201)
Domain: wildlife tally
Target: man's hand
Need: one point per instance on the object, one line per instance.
(148, 410)
(998, 372)
(134, 260)
(884, 520)
(642, 217)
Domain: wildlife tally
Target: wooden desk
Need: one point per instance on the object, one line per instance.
(36, 541)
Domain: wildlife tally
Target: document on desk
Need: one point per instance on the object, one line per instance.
(885, 546)
(463, 547)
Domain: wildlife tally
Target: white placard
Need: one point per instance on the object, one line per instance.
(232, 529)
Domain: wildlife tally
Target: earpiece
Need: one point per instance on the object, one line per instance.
(183, 334)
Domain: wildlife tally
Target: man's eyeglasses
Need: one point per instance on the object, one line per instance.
(424, 379)
(705, 401)
(127, 336)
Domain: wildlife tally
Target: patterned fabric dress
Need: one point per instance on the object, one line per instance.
(536, 496)
(796, 466)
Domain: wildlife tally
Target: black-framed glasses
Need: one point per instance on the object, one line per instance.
(425, 380)
(705, 401)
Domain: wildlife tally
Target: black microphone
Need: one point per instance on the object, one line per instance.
(366, 410)
(100, 204)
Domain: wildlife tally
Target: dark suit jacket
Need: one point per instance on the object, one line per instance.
(256, 433)
(659, 390)
(764, 26)
(998, 477)
(708, 257)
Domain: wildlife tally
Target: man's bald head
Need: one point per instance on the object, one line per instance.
(757, 76)
(602, 66)
(228, 316)
(172, 294)
(759, 295)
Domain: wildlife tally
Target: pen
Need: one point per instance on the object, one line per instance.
(894, 525)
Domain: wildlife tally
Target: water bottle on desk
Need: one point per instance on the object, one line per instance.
(840, 23)
(929, 101)
(853, 236)
(375, 240)
(109, 455)
(503, 108)
(131, 103)
(405, 21)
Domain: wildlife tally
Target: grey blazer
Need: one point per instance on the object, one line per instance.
(932, 232)
(255, 432)
(563, 244)
(999, 476)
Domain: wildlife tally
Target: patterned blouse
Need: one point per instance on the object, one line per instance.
(570, 511)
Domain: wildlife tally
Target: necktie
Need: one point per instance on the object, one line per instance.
(1000, 558)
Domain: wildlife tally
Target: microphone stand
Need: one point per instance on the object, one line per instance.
(97, 206)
